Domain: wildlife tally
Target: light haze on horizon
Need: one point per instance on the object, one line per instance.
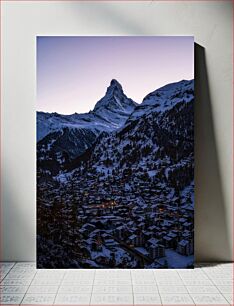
(73, 72)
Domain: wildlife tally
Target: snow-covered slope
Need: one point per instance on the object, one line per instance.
(165, 98)
(160, 144)
(168, 95)
(109, 114)
(61, 138)
(51, 122)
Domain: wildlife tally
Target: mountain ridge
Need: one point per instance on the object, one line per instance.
(62, 138)
(77, 120)
(109, 113)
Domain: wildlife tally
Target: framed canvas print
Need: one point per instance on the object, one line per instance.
(115, 152)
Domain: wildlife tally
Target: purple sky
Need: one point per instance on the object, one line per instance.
(73, 72)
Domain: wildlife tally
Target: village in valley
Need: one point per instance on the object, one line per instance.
(117, 223)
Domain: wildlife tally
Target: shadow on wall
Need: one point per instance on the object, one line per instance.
(17, 230)
(211, 232)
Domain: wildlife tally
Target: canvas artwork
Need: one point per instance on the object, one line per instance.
(115, 152)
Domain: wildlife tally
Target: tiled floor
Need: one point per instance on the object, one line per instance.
(207, 284)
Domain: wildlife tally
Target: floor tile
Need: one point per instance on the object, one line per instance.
(222, 275)
(43, 289)
(8, 264)
(170, 282)
(71, 278)
(176, 299)
(11, 299)
(202, 289)
(65, 289)
(25, 264)
(165, 271)
(38, 298)
(225, 289)
(166, 275)
(184, 272)
(147, 299)
(112, 282)
(77, 282)
(145, 289)
(49, 276)
(74, 277)
(81, 271)
(112, 289)
(16, 282)
(146, 274)
(142, 273)
(13, 289)
(4, 270)
(206, 284)
(196, 277)
(222, 282)
(51, 272)
(164, 289)
(115, 276)
(229, 297)
(72, 299)
(23, 270)
(209, 299)
(196, 282)
(46, 282)
(109, 272)
(143, 282)
(192, 275)
(19, 276)
(112, 299)
(3, 275)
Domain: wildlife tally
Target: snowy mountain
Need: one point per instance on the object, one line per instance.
(109, 114)
(127, 201)
(64, 137)
(165, 98)
(51, 122)
(155, 145)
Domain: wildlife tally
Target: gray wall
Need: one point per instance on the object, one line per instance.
(211, 24)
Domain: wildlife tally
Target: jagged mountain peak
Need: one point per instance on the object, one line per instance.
(110, 113)
(115, 83)
(115, 100)
(114, 89)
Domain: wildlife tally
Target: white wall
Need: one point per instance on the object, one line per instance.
(211, 24)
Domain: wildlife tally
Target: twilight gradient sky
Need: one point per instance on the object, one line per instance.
(73, 72)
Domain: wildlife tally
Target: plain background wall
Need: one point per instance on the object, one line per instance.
(211, 24)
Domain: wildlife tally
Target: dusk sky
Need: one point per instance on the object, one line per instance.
(73, 72)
